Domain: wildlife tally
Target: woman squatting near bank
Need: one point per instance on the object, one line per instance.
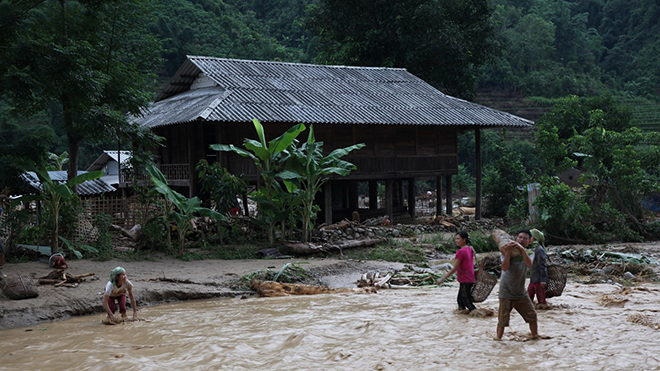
(115, 295)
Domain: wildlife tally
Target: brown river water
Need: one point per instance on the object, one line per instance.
(414, 329)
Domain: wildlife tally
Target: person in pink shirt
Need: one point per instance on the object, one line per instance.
(464, 269)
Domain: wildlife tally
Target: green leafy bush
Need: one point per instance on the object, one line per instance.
(153, 235)
(103, 242)
(502, 181)
(562, 212)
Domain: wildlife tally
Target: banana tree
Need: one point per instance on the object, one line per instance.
(54, 194)
(185, 208)
(269, 158)
(307, 170)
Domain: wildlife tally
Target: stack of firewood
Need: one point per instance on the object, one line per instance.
(61, 278)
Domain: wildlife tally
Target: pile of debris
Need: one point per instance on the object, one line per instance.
(275, 289)
(381, 227)
(61, 278)
(464, 222)
(409, 278)
(595, 262)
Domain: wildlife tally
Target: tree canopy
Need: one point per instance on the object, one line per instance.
(443, 42)
(92, 62)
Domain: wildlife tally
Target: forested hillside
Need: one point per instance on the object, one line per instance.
(510, 54)
(548, 48)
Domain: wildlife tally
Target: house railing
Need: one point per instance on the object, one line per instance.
(172, 172)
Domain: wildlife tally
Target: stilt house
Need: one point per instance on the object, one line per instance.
(409, 127)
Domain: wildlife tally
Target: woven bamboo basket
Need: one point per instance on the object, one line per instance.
(556, 280)
(483, 285)
(18, 286)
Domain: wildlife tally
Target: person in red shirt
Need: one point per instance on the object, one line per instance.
(464, 269)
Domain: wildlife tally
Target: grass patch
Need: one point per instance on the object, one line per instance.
(225, 252)
(483, 242)
(391, 251)
(288, 273)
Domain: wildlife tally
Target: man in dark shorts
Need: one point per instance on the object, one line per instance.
(512, 287)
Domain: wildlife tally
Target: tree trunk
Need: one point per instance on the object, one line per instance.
(54, 245)
(504, 241)
(309, 248)
(74, 145)
(182, 241)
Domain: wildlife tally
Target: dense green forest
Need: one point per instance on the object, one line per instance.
(543, 49)
(71, 71)
(546, 48)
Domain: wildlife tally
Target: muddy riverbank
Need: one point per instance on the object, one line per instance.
(165, 279)
(156, 282)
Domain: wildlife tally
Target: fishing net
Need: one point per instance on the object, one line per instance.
(556, 280)
(483, 285)
(18, 286)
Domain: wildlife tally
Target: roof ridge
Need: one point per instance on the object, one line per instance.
(296, 63)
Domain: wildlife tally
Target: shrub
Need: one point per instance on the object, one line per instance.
(103, 242)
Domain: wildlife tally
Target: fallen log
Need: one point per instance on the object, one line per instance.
(61, 278)
(464, 211)
(79, 276)
(505, 242)
(306, 248)
(275, 289)
(177, 280)
(133, 233)
(358, 243)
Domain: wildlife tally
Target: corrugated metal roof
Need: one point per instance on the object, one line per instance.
(88, 188)
(294, 92)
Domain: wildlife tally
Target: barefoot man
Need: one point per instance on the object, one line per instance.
(512, 285)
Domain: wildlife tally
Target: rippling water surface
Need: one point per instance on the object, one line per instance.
(390, 330)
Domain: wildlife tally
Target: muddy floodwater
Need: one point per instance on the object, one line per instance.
(594, 327)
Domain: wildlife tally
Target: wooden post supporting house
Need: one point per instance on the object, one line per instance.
(438, 196)
(450, 202)
(411, 197)
(327, 201)
(477, 148)
(373, 195)
(353, 196)
(389, 199)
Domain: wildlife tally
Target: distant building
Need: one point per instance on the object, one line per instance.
(89, 188)
(571, 177)
(108, 162)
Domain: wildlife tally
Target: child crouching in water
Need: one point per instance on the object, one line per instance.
(115, 294)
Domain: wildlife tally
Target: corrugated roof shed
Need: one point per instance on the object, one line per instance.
(240, 90)
(106, 156)
(88, 188)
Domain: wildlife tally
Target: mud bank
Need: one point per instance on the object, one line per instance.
(158, 282)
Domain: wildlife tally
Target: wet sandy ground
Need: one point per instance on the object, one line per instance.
(593, 327)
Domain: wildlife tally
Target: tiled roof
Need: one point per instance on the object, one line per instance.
(88, 188)
(306, 93)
